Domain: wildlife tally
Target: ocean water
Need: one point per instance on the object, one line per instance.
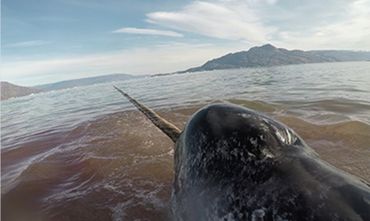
(85, 153)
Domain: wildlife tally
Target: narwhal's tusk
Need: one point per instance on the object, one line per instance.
(169, 129)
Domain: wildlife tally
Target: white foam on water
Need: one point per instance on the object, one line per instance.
(119, 210)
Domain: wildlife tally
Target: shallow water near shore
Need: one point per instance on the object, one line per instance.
(86, 154)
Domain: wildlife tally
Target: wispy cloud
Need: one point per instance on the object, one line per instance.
(350, 32)
(162, 58)
(144, 31)
(339, 24)
(233, 20)
(25, 44)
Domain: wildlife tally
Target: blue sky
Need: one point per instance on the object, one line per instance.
(50, 40)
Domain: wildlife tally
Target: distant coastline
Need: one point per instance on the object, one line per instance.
(268, 55)
(9, 90)
(260, 56)
(85, 81)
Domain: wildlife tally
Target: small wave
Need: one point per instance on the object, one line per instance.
(334, 105)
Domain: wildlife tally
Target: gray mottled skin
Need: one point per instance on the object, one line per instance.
(234, 164)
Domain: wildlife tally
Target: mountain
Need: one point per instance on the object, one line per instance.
(84, 81)
(9, 90)
(269, 55)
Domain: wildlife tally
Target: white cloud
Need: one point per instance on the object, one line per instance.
(164, 58)
(25, 44)
(351, 32)
(270, 2)
(339, 24)
(233, 20)
(144, 31)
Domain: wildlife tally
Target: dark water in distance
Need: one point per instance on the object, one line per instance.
(82, 154)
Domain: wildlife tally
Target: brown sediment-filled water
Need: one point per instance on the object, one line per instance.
(86, 154)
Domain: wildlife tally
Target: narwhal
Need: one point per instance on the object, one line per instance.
(232, 163)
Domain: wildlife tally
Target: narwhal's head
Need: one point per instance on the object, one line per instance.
(223, 154)
(224, 141)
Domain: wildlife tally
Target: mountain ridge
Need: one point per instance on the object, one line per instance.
(85, 81)
(9, 90)
(268, 55)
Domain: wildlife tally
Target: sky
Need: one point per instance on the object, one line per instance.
(44, 41)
